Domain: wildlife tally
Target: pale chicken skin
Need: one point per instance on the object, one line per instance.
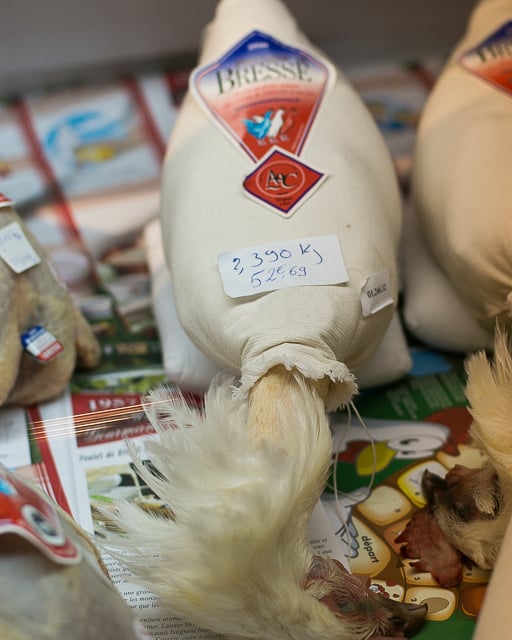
(35, 297)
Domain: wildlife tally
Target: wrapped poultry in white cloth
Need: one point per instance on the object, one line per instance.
(53, 584)
(258, 282)
(458, 272)
(281, 217)
(43, 334)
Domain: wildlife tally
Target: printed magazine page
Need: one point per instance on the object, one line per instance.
(83, 166)
(95, 449)
(374, 488)
(417, 424)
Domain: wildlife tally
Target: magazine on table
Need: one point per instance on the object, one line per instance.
(76, 450)
(90, 216)
(80, 458)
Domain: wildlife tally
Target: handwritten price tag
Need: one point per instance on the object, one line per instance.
(290, 263)
(16, 250)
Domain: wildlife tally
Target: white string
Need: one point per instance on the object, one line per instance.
(337, 446)
(335, 489)
(372, 444)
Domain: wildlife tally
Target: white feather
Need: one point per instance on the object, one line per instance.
(489, 392)
(235, 557)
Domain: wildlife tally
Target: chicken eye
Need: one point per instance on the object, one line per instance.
(345, 606)
(462, 511)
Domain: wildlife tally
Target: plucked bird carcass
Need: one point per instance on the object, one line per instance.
(281, 217)
(53, 583)
(468, 510)
(43, 334)
(458, 272)
(472, 506)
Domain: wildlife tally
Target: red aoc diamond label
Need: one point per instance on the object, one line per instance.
(282, 182)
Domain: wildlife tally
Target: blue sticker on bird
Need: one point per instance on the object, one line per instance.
(289, 263)
(263, 93)
(40, 343)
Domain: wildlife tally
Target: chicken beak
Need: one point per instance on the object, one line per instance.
(406, 617)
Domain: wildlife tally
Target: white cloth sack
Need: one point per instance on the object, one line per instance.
(461, 196)
(320, 330)
(433, 310)
(192, 370)
(183, 363)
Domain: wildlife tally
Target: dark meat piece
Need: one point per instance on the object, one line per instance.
(423, 539)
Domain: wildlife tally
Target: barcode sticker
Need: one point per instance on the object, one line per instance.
(376, 293)
(43, 345)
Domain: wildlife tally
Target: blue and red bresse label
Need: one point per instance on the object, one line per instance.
(265, 96)
(491, 60)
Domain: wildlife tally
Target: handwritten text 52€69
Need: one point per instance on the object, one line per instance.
(290, 263)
